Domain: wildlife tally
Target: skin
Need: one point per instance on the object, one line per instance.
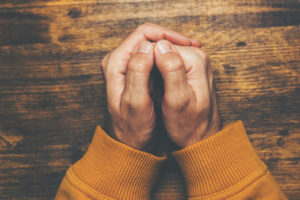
(186, 105)
(189, 105)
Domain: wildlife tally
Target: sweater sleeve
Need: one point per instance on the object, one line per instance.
(225, 166)
(110, 170)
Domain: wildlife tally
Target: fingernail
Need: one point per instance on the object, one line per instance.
(144, 47)
(164, 47)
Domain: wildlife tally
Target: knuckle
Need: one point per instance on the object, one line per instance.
(136, 64)
(142, 27)
(140, 104)
(204, 56)
(202, 53)
(204, 59)
(126, 101)
(173, 64)
(148, 24)
(178, 104)
(134, 105)
(140, 63)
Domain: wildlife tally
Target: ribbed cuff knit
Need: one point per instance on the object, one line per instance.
(116, 170)
(221, 164)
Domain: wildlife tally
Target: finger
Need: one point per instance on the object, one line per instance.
(171, 35)
(154, 33)
(116, 65)
(137, 75)
(172, 69)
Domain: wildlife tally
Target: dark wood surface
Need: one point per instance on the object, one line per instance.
(52, 90)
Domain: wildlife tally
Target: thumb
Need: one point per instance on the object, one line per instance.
(172, 69)
(138, 72)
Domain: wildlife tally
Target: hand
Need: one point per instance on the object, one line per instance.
(189, 105)
(127, 70)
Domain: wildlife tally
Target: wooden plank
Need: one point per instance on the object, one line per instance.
(213, 3)
(52, 90)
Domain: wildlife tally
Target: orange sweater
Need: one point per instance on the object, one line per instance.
(224, 166)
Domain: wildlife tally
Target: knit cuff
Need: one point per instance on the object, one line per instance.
(116, 170)
(220, 163)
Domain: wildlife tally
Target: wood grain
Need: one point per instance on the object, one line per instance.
(52, 90)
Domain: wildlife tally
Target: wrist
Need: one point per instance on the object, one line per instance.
(204, 130)
(141, 141)
(213, 128)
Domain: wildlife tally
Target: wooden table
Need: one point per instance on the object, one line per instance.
(52, 90)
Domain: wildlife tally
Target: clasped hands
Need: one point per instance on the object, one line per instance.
(189, 108)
